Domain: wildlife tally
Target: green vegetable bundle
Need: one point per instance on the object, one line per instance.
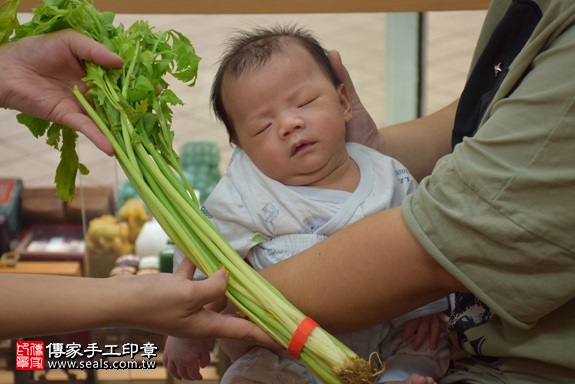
(136, 119)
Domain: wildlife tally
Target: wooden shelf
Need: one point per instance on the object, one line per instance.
(275, 6)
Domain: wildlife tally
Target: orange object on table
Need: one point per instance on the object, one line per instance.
(64, 268)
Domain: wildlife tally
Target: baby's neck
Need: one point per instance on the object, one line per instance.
(344, 178)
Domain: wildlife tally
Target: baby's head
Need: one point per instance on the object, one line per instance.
(282, 103)
(250, 50)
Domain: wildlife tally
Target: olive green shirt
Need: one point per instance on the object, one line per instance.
(499, 213)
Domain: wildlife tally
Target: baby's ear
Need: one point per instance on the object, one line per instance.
(345, 102)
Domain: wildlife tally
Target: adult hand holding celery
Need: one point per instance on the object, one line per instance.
(136, 119)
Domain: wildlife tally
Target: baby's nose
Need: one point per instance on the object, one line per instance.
(291, 123)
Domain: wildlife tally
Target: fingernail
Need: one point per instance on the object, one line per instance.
(222, 272)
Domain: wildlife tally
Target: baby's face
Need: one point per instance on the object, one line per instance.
(289, 118)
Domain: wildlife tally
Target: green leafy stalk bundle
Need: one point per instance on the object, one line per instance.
(136, 119)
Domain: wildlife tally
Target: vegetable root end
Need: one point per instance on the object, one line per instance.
(356, 370)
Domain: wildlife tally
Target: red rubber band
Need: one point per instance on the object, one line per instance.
(300, 336)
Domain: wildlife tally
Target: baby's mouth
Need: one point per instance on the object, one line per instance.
(300, 146)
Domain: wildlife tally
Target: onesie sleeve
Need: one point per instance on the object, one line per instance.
(226, 209)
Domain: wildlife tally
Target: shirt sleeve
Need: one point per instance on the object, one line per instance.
(498, 213)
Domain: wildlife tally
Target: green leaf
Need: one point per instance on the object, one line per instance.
(54, 134)
(8, 19)
(141, 90)
(169, 97)
(187, 61)
(148, 124)
(37, 126)
(83, 169)
(68, 167)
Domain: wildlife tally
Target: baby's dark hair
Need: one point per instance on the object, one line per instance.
(252, 49)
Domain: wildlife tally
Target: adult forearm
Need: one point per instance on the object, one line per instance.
(368, 272)
(40, 304)
(418, 144)
(170, 304)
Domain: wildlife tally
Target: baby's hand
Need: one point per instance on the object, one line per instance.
(424, 327)
(183, 358)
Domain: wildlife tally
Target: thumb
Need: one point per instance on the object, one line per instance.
(186, 269)
(241, 329)
(334, 58)
(88, 49)
(213, 288)
(341, 71)
(337, 64)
